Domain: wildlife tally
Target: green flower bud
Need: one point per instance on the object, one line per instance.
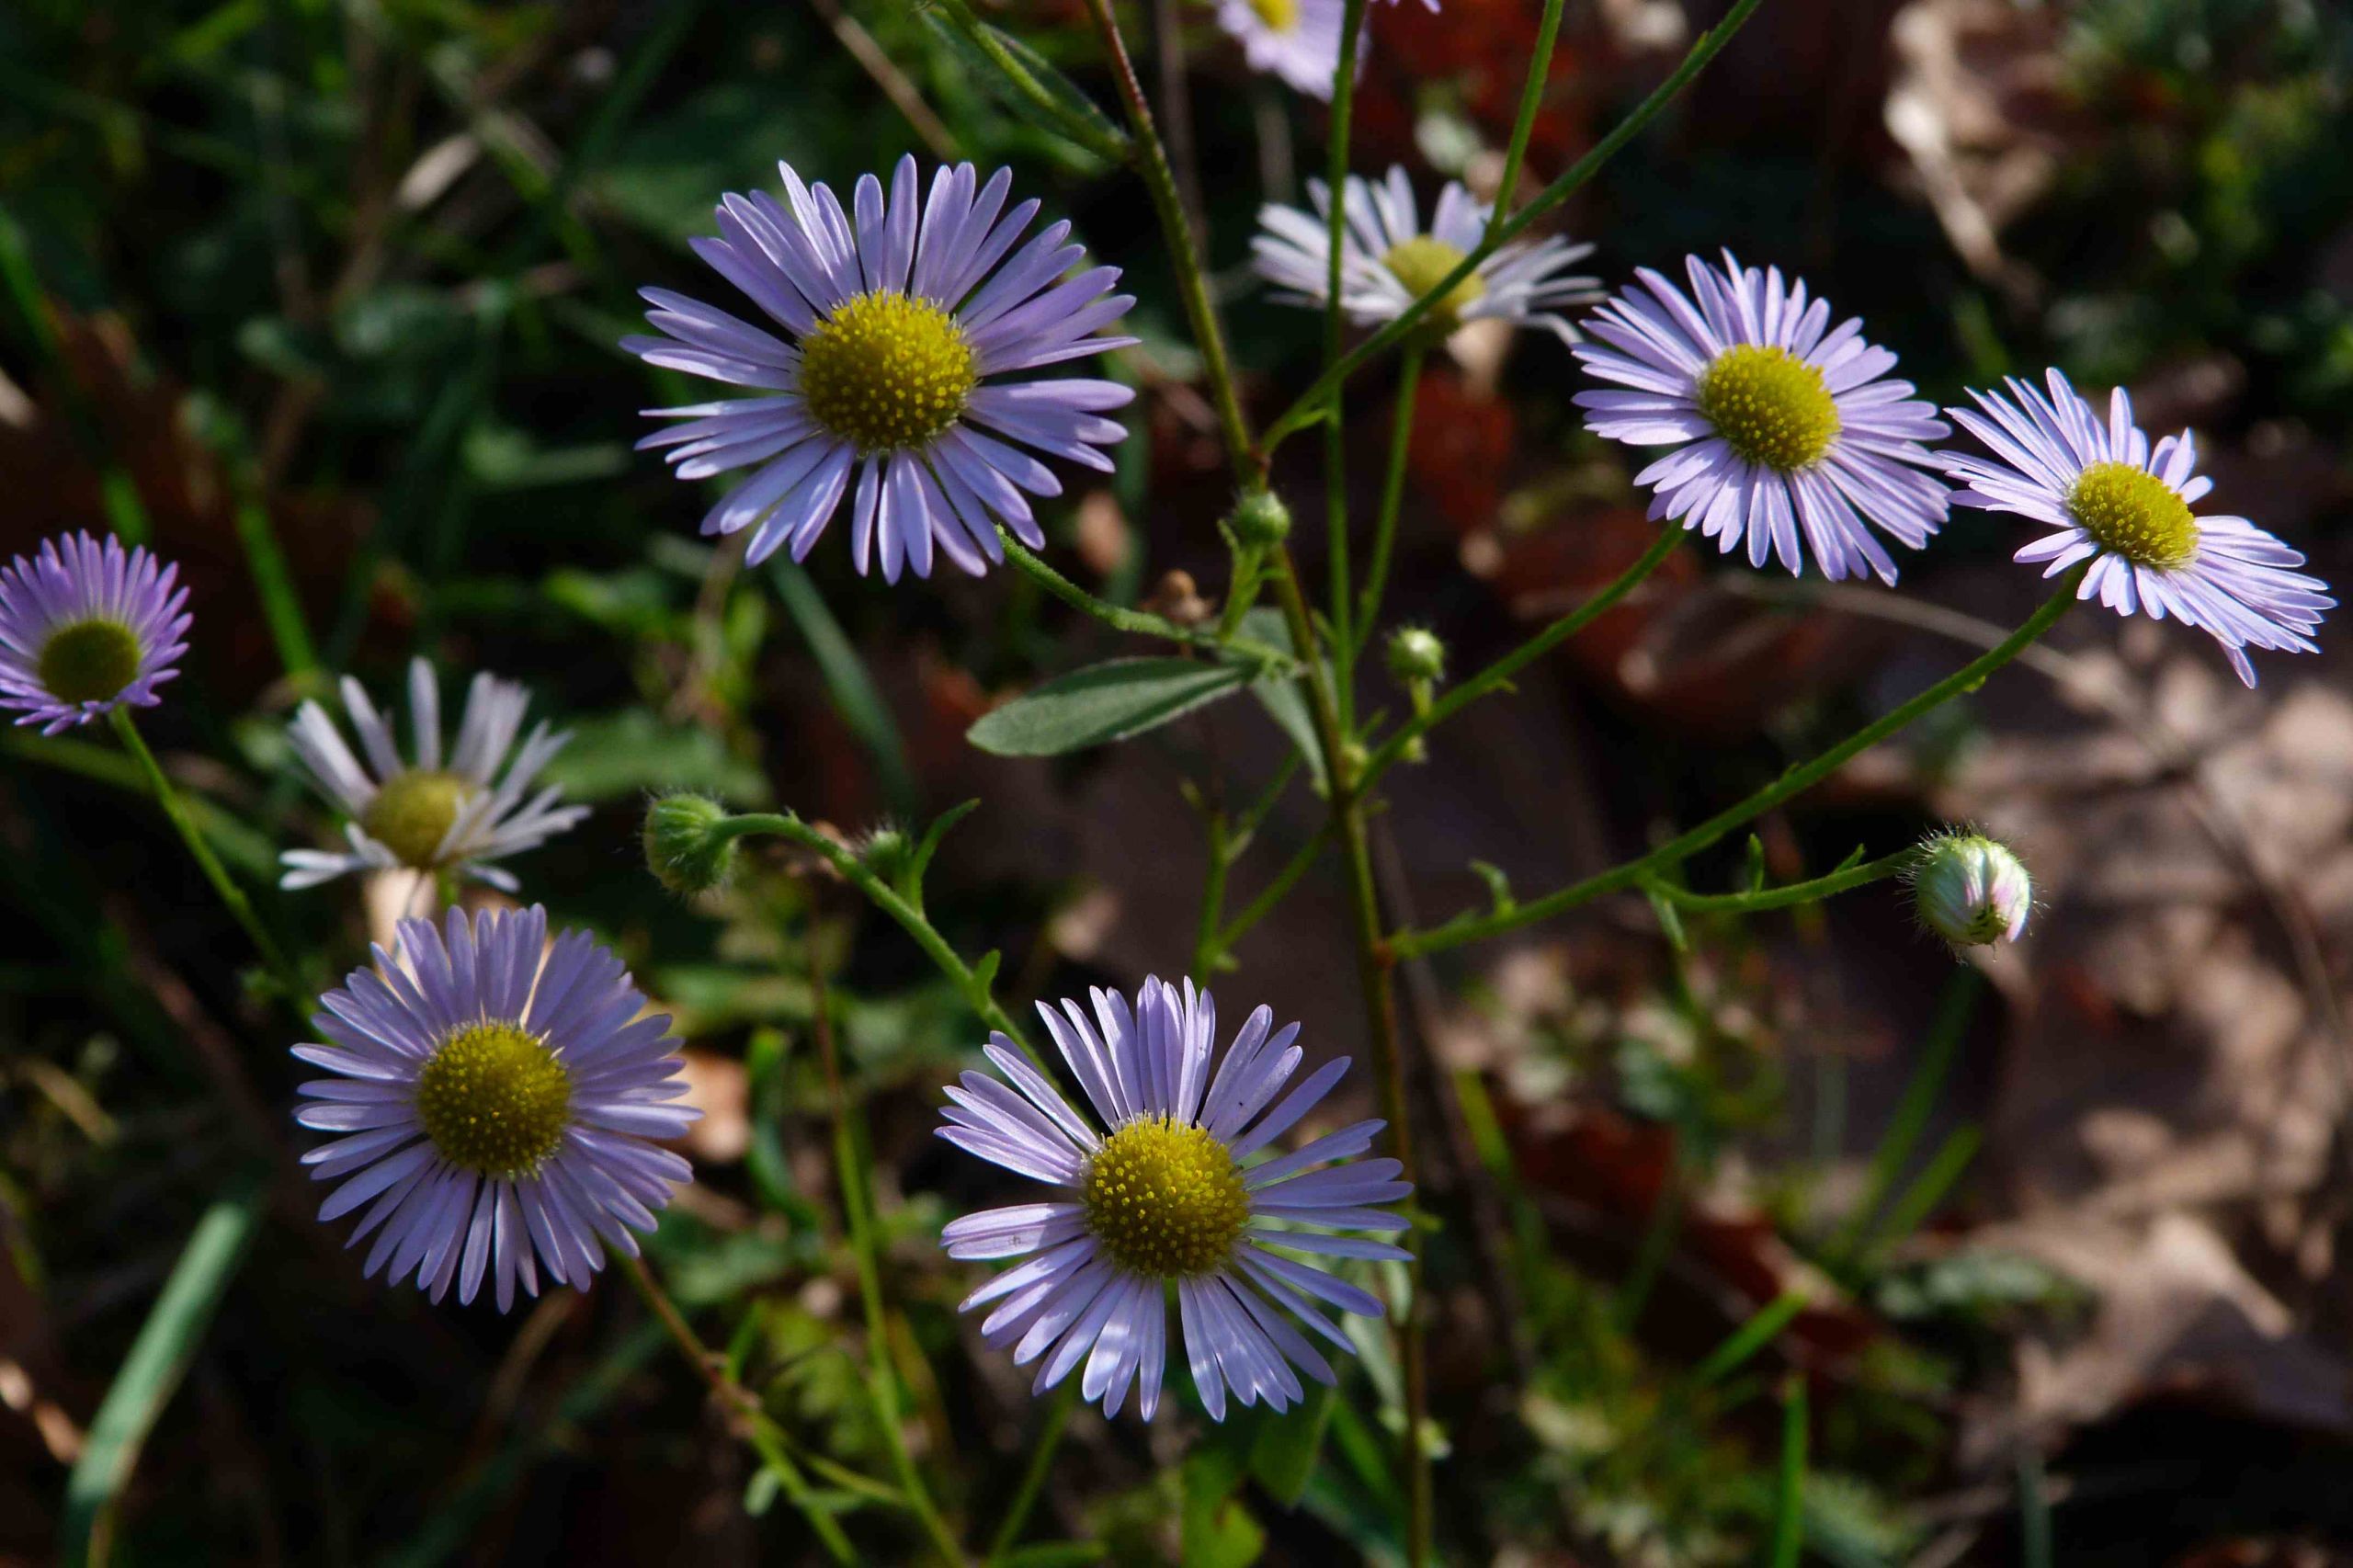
(1971, 891)
(886, 852)
(1417, 654)
(681, 848)
(1260, 519)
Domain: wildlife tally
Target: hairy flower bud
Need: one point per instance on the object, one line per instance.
(1417, 654)
(682, 850)
(1972, 891)
(1260, 519)
(886, 852)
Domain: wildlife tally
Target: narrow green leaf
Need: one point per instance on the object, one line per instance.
(1027, 81)
(847, 682)
(1289, 1446)
(150, 1374)
(920, 861)
(1750, 1338)
(1103, 703)
(1788, 1492)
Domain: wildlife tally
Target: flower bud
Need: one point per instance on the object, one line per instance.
(1260, 519)
(681, 848)
(1971, 891)
(886, 852)
(1415, 654)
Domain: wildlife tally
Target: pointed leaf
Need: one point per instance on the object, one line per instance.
(1102, 703)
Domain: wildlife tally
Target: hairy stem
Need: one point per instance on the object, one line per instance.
(1837, 882)
(883, 1380)
(1796, 780)
(1184, 256)
(1531, 97)
(281, 973)
(743, 1404)
(1392, 495)
(1335, 455)
(1311, 404)
(1142, 623)
(1497, 675)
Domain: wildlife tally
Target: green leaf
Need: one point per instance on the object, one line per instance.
(1102, 703)
(921, 861)
(1285, 1455)
(1027, 81)
(1218, 1531)
(149, 1376)
(621, 753)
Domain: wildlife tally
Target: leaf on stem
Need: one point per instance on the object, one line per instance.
(1028, 83)
(1102, 703)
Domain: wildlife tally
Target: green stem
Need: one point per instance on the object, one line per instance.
(1376, 980)
(1788, 1491)
(1311, 404)
(1033, 1479)
(742, 1402)
(1946, 1031)
(1261, 906)
(1335, 455)
(882, 1379)
(1205, 931)
(167, 796)
(1497, 675)
(1837, 882)
(1184, 250)
(974, 984)
(1392, 494)
(1798, 779)
(1531, 97)
(1143, 623)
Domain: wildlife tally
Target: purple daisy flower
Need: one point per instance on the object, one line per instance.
(896, 314)
(492, 1105)
(1159, 1194)
(88, 627)
(430, 813)
(2125, 507)
(1298, 41)
(1787, 433)
(1388, 260)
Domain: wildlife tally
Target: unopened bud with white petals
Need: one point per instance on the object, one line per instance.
(1972, 891)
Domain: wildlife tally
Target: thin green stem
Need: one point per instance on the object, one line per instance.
(1345, 642)
(1796, 780)
(1788, 1490)
(1143, 623)
(882, 1379)
(1497, 675)
(1273, 893)
(1750, 1338)
(1033, 1479)
(1311, 404)
(1376, 982)
(1392, 494)
(1531, 97)
(1945, 1031)
(757, 1430)
(973, 983)
(281, 609)
(287, 980)
(1205, 930)
(1837, 882)
(1192, 278)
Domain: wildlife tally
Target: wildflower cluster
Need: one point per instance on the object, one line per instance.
(500, 1094)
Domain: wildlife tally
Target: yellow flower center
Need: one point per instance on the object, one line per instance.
(88, 661)
(1164, 1199)
(2132, 513)
(412, 812)
(1770, 407)
(886, 370)
(1421, 264)
(495, 1100)
(1281, 15)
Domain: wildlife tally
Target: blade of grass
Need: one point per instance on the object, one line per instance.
(1749, 1337)
(1955, 1008)
(853, 691)
(150, 1374)
(1788, 1492)
(1920, 1199)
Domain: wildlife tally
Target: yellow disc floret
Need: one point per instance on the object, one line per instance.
(495, 1100)
(1164, 1199)
(2132, 513)
(88, 661)
(1421, 264)
(887, 370)
(412, 814)
(1280, 16)
(1770, 407)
